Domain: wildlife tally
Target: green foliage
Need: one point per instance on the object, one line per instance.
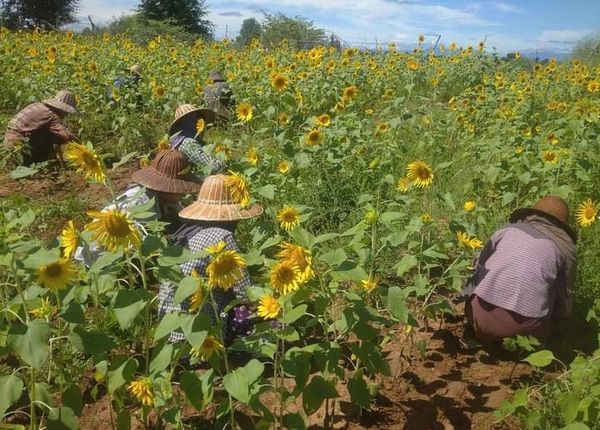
(251, 29)
(45, 14)
(298, 31)
(187, 14)
(588, 50)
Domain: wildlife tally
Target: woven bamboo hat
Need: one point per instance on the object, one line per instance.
(553, 208)
(135, 69)
(184, 111)
(64, 101)
(215, 203)
(168, 173)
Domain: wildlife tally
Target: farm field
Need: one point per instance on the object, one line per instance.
(384, 171)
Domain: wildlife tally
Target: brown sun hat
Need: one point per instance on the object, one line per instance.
(185, 110)
(553, 208)
(215, 203)
(168, 173)
(64, 101)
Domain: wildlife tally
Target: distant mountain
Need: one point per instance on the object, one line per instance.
(543, 54)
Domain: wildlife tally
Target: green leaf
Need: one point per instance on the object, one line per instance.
(349, 271)
(289, 334)
(192, 387)
(334, 257)
(569, 406)
(298, 367)
(73, 313)
(128, 304)
(124, 420)
(405, 264)
(41, 257)
(11, 388)
(22, 172)
(295, 313)
(105, 260)
(315, 393)
(396, 304)
(576, 426)
(161, 358)
(359, 392)
(169, 323)
(187, 287)
(30, 342)
(124, 159)
(294, 421)
(237, 384)
(196, 329)
(267, 191)
(122, 369)
(325, 237)
(62, 419)
(175, 255)
(91, 342)
(540, 359)
(72, 398)
(253, 370)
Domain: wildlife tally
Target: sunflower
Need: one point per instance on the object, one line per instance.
(300, 257)
(200, 125)
(158, 92)
(238, 187)
(426, 218)
(469, 206)
(163, 145)
(86, 160)
(279, 82)
(113, 229)
(593, 86)
(284, 118)
(382, 127)
(57, 275)
(349, 92)
(288, 218)
(225, 269)
(197, 299)
(412, 65)
(285, 277)
(550, 157)
(209, 346)
(252, 156)
(340, 107)
(268, 307)
(586, 213)
(244, 112)
(420, 174)
(283, 167)
(141, 388)
(68, 239)
(315, 137)
(468, 242)
(403, 184)
(369, 284)
(371, 217)
(45, 310)
(323, 120)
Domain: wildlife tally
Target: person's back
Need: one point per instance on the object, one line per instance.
(218, 96)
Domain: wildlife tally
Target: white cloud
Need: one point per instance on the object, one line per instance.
(506, 7)
(102, 11)
(554, 36)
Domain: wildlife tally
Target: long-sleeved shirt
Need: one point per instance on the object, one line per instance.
(527, 267)
(199, 241)
(193, 152)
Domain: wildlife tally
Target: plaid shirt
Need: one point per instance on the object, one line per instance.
(35, 120)
(524, 270)
(199, 242)
(193, 152)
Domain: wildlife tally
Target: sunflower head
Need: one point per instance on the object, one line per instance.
(469, 206)
(323, 120)
(113, 229)
(225, 269)
(420, 174)
(86, 161)
(369, 284)
(279, 82)
(586, 213)
(252, 156)
(57, 275)
(244, 112)
(285, 277)
(238, 187)
(283, 167)
(69, 239)
(210, 346)
(314, 137)
(403, 184)
(268, 307)
(298, 256)
(288, 218)
(284, 118)
(142, 390)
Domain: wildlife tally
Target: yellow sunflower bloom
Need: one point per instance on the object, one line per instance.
(279, 82)
(252, 156)
(349, 93)
(268, 307)
(45, 310)
(468, 242)
(86, 160)
(550, 157)
(369, 284)
(238, 187)
(225, 269)
(58, 275)
(323, 120)
(284, 118)
(244, 112)
(285, 277)
(113, 229)
(586, 213)
(69, 239)
(163, 145)
(210, 346)
(200, 125)
(314, 137)
(141, 389)
(403, 184)
(469, 206)
(288, 218)
(283, 167)
(300, 257)
(420, 174)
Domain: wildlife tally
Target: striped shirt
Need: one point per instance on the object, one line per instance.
(35, 121)
(193, 152)
(523, 270)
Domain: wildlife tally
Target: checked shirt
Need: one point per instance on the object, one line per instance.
(199, 242)
(193, 152)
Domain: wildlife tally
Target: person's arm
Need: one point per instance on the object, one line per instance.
(61, 131)
(565, 285)
(196, 155)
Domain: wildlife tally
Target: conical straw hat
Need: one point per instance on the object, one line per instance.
(169, 173)
(215, 203)
(64, 101)
(183, 111)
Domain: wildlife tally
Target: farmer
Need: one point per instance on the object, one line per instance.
(167, 180)
(39, 131)
(210, 224)
(218, 96)
(525, 274)
(186, 133)
(128, 84)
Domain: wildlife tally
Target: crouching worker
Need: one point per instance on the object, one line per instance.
(525, 274)
(38, 129)
(210, 226)
(167, 180)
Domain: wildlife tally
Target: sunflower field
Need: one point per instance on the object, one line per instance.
(381, 174)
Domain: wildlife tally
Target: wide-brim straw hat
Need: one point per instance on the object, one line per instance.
(135, 69)
(64, 101)
(215, 203)
(168, 173)
(184, 111)
(552, 208)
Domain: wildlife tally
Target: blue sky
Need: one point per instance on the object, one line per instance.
(509, 24)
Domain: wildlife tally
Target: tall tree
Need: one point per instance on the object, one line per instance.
(187, 14)
(251, 29)
(300, 32)
(46, 14)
